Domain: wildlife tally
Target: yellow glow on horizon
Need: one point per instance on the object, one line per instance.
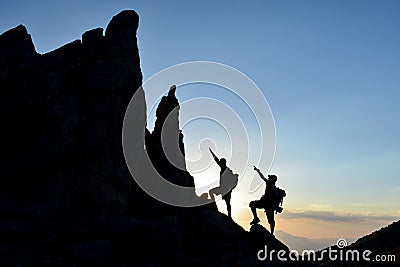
(311, 228)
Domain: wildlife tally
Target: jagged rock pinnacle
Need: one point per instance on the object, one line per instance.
(123, 25)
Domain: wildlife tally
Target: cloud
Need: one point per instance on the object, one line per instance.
(320, 206)
(330, 216)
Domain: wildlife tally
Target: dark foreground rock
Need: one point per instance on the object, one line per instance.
(66, 195)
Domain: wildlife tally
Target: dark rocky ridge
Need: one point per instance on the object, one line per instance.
(383, 242)
(66, 195)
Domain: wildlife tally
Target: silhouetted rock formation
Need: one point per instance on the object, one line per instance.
(64, 170)
(62, 118)
(165, 144)
(66, 195)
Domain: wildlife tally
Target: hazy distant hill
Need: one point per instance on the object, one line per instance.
(302, 243)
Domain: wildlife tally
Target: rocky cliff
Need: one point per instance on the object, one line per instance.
(66, 195)
(62, 116)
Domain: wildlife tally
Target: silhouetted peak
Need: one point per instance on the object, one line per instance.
(167, 134)
(16, 43)
(123, 25)
(167, 104)
(20, 30)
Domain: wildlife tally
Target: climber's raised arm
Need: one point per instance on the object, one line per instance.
(260, 173)
(215, 157)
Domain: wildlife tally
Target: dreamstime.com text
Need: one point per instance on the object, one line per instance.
(330, 254)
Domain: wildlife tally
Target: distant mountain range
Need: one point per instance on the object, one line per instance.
(384, 242)
(303, 243)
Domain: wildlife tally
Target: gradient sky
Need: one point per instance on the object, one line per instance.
(330, 71)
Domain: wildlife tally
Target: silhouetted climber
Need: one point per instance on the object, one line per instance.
(270, 201)
(228, 181)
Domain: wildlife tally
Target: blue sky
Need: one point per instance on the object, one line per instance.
(330, 71)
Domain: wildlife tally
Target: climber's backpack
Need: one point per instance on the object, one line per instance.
(229, 180)
(278, 199)
(273, 199)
